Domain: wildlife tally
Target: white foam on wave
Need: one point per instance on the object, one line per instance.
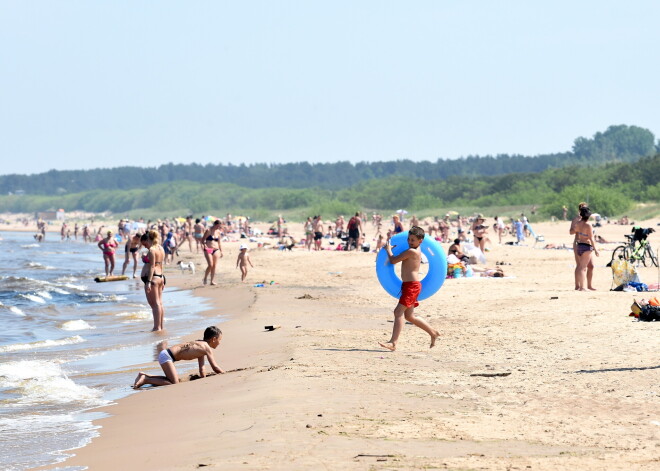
(42, 344)
(16, 311)
(34, 298)
(134, 316)
(44, 294)
(74, 286)
(76, 325)
(102, 298)
(39, 266)
(59, 291)
(37, 381)
(29, 246)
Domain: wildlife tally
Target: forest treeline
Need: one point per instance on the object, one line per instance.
(611, 189)
(620, 143)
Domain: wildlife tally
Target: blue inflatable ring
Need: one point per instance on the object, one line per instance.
(437, 266)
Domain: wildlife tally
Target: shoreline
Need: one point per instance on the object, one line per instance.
(568, 387)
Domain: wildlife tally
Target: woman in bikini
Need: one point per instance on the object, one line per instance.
(584, 246)
(398, 225)
(131, 250)
(212, 250)
(198, 233)
(479, 232)
(590, 266)
(309, 233)
(108, 246)
(152, 276)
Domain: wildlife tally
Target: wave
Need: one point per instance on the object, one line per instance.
(103, 298)
(42, 344)
(30, 246)
(33, 297)
(134, 316)
(44, 294)
(76, 325)
(36, 381)
(12, 309)
(38, 266)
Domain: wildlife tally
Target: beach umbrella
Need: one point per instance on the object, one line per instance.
(452, 213)
(402, 211)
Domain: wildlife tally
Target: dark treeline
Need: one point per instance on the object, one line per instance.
(611, 188)
(617, 144)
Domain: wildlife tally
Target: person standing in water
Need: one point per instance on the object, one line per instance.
(108, 246)
(153, 278)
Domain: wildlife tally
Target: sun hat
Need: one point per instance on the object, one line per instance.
(243, 246)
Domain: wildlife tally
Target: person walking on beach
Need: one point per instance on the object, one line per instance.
(198, 233)
(405, 310)
(585, 245)
(318, 232)
(212, 250)
(242, 261)
(108, 246)
(354, 227)
(309, 233)
(153, 278)
(195, 350)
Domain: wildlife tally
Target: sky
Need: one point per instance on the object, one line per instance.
(92, 84)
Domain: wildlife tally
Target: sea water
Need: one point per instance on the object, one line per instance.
(69, 345)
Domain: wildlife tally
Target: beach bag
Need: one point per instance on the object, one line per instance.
(649, 313)
(622, 273)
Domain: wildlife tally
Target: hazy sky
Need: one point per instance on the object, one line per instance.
(86, 84)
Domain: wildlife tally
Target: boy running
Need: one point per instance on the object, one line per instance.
(410, 260)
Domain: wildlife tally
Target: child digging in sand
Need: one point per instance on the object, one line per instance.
(410, 289)
(243, 260)
(197, 349)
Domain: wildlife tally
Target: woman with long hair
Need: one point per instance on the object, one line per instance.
(212, 250)
(153, 278)
(108, 245)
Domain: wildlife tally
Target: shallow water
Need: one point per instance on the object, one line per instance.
(68, 345)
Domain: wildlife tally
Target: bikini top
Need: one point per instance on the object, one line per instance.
(211, 238)
(145, 259)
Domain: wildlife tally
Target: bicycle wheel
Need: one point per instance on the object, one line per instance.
(620, 253)
(650, 255)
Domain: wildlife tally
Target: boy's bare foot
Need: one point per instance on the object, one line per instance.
(139, 380)
(204, 281)
(433, 337)
(592, 289)
(213, 283)
(388, 345)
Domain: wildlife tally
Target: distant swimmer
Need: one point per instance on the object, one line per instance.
(195, 350)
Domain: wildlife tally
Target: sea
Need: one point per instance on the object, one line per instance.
(69, 345)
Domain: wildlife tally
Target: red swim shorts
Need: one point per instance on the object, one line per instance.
(409, 292)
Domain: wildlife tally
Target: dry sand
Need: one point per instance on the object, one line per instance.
(577, 382)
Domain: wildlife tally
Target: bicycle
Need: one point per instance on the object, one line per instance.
(631, 252)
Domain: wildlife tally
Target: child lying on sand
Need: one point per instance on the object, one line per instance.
(197, 349)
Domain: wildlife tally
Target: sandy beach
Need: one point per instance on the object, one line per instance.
(528, 373)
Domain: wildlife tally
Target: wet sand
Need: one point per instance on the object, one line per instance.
(527, 373)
